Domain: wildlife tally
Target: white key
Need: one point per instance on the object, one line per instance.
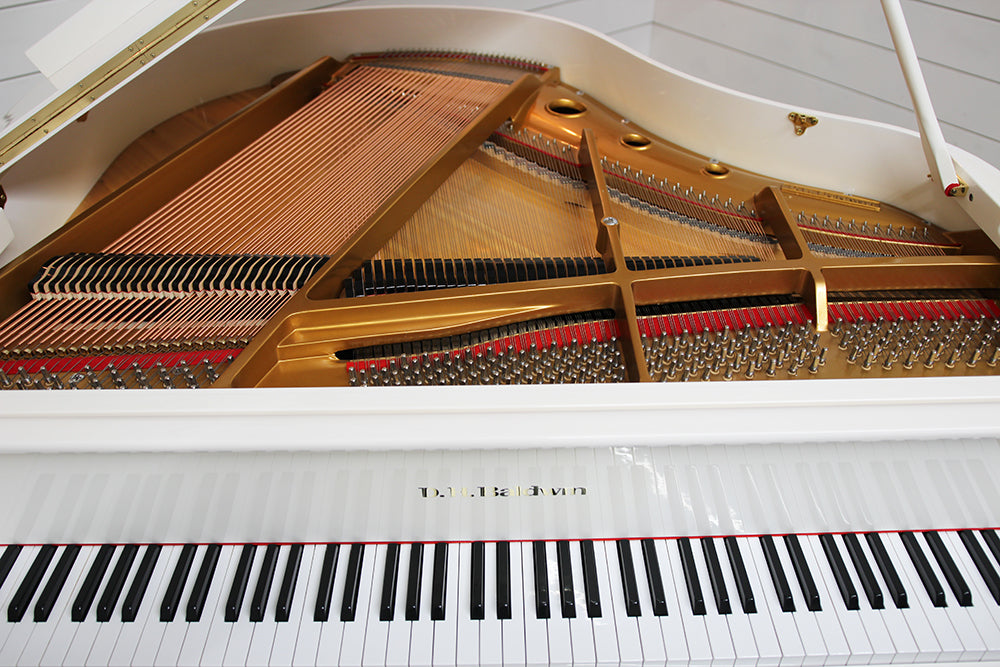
(285, 636)
(560, 641)
(468, 630)
(107, 634)
(809, 629)
(864, 618)
(581, 628)
(398, 638)
(377, 632)
(938, 622)
(422, 630)
(772, 649)
(139, 640)
(630, 645)
(259, 653)
(650, 632)
(176, 630)
(514, 630)
(241, 631)
(86, 633)
(19, 633)
(672, 625)
(490, 628)
(44, 632)
(307, 640)
(445, 631)
(984, 610)
(744, 643)
(10, 586)
(196, 638)
(716, 624)
(834, 607)
(606, 639)
(536, 637)
(961, 619)
(332, 632)
(214, 629)
(908, 647)
(698, 645)
(353, 643)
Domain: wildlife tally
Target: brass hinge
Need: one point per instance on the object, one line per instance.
(3, 197)
(802, 122)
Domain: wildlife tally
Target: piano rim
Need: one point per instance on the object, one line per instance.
(488, 417)
(837, 155)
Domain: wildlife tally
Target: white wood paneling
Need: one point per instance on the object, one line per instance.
(838, 57)
(638, 37)
(601, 15)
(833, 56)
(978, 8)
(21, 25)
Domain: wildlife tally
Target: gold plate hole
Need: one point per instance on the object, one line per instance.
(716, 170)
(636, 141)
(566, 108)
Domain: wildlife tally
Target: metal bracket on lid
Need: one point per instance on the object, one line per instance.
(802, 122)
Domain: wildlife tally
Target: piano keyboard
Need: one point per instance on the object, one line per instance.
(832, 553)
(851, 598)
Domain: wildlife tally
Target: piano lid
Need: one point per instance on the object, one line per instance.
(96, 51)
(840, 154)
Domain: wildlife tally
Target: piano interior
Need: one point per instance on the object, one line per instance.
(421, 218)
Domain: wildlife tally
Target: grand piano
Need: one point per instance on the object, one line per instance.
(456, 336)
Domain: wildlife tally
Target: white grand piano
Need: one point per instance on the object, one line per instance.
(789, 506)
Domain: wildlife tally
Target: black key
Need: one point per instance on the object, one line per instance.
(168, 608)
(840, 574)
(567, 597)
(715, 576)
(439, 582)
(91, 583)
(888, 570)
(287, 591)
(982, 561)
(630, 587)
(781, 588)
(414, 581)
(691, 577)
(541, 580)
(590, 587)
(740, 575)
(137, 591)
(802, 573)
(7, 560)
(355, 566)
(50, 593)
(654, 578)
(954, 578)
(477, 605)
(263, 589)
(239, 588)
(927, 576)
(22, 596)
(989, 536)
(116, 583)
(868, 582)
(503, 581)
(390, 576)
(202, 583)
(325, 594)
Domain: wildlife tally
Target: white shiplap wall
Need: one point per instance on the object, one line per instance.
(828, 55)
